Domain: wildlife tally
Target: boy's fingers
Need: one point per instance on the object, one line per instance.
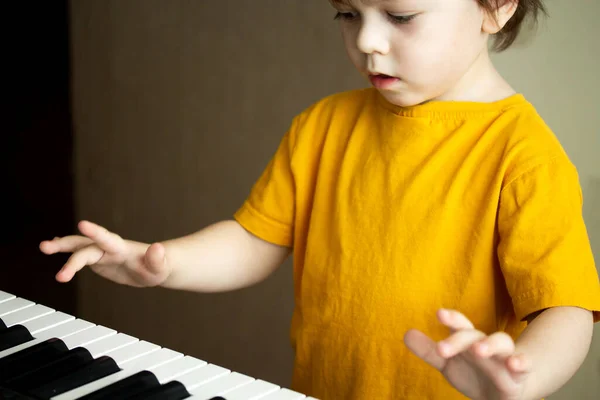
(518, 364)
(459, 342)
(106, 240)
(454, 320)
(155, 258)
(498, 344)
(86, 256)
(67, 244)
(424, 348)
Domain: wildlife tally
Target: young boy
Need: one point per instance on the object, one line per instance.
(438, 192)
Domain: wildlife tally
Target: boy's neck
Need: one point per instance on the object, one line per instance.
(482, 83)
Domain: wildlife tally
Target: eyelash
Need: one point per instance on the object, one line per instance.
(396, 19)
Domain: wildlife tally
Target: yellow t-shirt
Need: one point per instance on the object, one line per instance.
(396, 212)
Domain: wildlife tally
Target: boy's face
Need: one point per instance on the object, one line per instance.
(431, 49)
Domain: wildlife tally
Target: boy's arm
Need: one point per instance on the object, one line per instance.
(224, 256)
(556, 343)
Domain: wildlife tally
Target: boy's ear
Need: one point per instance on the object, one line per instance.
(493, 22)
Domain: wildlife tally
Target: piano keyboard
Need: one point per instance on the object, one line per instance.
(47, 354)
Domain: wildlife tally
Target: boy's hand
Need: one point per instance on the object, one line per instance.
(477, 365)
(108, 255)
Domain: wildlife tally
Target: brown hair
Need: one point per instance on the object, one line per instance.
(525, 9)
(506, 37)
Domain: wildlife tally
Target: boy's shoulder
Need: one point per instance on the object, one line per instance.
(333, 113)
(529, 141)
(348, 101)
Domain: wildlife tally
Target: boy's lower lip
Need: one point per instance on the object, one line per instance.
(382, 81)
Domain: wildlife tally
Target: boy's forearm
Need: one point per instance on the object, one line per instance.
(221, 257)
(557, 342)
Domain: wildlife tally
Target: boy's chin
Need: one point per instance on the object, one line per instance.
(404, 99)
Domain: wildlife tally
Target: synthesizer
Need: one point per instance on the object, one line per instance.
(49, 355)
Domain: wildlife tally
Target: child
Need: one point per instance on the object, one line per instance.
(438, 192)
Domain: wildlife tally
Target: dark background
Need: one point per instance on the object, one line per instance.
(36, 154)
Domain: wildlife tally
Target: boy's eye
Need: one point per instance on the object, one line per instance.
(346, 16)
(397, 19)
(401, 19)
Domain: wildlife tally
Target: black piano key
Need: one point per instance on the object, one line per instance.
(169, 391)
(30, 358)
(14, 336)
(2, 324)
(63, 365)
(96, 369)
(218, 398)
(125, 388)
(7, 394)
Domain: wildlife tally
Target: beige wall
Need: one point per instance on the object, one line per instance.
(178, 105)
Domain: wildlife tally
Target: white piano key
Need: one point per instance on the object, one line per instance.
(64, 330)
(152, 360)
(13, 305)
(60, 332)
(253, 391)
(133, 351)
(47, 322)
(176, 368)
(87, 336)
(26, 314)
(147, 362)
(110, 343)
(284, 394)
(6, 296)
(202, 375)
(220, 386)
(93, 386)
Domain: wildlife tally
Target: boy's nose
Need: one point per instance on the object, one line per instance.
(372, 39)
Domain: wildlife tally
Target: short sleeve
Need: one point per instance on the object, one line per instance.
(544, 250)
(268, 212)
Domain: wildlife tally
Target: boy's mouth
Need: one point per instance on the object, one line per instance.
(382, 81)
